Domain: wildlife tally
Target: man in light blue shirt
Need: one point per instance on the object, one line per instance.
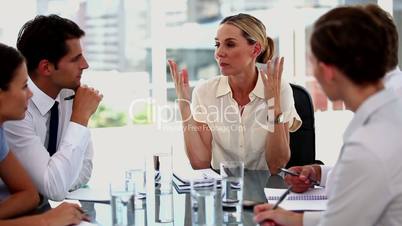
(365, 186)
(393, 78)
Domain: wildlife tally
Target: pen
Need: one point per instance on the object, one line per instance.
(69, 97)
(314, 182)
(82, 210)
(283, 196)
(289, 172)
(249, 204)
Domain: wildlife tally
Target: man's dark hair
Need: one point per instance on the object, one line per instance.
(353, 41)
(385, 19)
(10, 60)
(45, 37)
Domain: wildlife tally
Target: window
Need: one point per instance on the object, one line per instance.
(128, 42)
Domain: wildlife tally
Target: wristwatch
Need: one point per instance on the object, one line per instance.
(279, 119)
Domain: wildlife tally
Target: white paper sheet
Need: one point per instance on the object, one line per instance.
(312, 200)
(90, 194)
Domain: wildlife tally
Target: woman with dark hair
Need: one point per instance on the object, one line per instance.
(245, 114)
(349, 58)
(14, 96)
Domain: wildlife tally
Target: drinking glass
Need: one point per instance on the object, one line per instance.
(123, 204)
(232, 173)
(203, 193)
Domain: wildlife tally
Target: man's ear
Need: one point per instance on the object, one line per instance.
(328, 71)
(45, 67)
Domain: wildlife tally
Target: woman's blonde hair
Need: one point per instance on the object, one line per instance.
(254, 31)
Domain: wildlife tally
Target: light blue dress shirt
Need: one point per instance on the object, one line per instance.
(3, 145)
(365, 186)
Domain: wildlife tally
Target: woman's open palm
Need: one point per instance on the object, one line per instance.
(272, 80)
(180, 81)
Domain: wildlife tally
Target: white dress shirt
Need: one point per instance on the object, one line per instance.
(365, 186)
(238, 136)
(71, 165)
(393, 79)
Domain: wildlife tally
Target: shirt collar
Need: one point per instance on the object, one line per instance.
(368, 108)
(389, 74)
(41, 100)
(259, 87)
(224, 88)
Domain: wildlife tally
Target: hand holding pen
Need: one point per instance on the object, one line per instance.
(301, 178)
(271, 215)
(65, 214)
(85, 103)
(283, 196)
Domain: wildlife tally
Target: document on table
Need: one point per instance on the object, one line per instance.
(84, 223)
(188, 175)
(182, 178)
(90, 194)
(312, 200)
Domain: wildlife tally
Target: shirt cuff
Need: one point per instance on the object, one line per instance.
(77, 135)
(324, 174)
(293, 119)
(311, 218)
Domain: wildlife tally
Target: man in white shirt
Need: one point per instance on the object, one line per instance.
(365, 185)
(53, 141)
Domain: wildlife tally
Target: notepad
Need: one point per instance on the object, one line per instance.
(182, 178)
(311, 200)
(90, 194)
(188, 175)
(84, 223)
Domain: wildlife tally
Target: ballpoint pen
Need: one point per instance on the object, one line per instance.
(83, 211)
(69, 97)
(283, 196)
(250, 204)
(290, 172)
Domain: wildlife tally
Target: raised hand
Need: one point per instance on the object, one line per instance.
(180, 81)
(272, 80)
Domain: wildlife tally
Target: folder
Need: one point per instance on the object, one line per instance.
(182, 178)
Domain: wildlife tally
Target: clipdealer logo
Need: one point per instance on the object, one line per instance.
(164, 114)
(159, 114)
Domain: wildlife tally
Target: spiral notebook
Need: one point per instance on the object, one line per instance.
(312, 200)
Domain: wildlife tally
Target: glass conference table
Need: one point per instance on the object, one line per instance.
(178, 206)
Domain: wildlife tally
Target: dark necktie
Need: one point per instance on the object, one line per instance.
(53, 127)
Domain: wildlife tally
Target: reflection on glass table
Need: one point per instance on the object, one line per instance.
(160, 208)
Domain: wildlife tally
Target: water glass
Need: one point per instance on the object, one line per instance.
(141, 212)
(163, 171)
(136, 178)
(232, 173)
(123, 204)
(163, 206)
(203, 193)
